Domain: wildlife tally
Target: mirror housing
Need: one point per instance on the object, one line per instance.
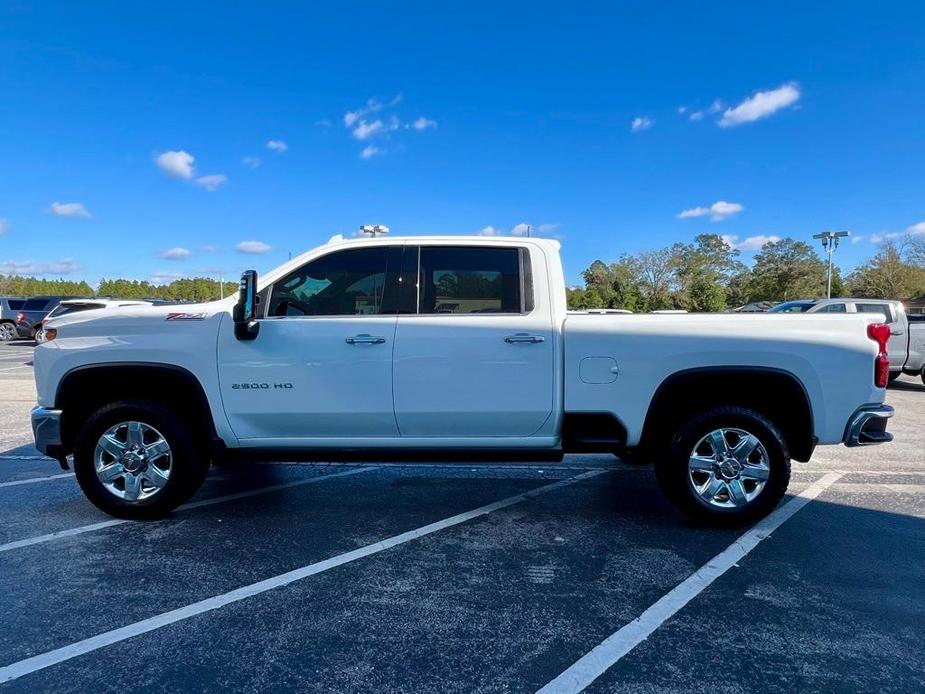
(246, 326)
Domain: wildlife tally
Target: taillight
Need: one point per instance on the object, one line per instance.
(50, 334)
(880, 333)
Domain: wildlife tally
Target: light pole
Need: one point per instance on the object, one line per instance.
(830, 243)
(373, 230)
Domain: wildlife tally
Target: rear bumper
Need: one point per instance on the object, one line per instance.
(867, 426)
(46, 429)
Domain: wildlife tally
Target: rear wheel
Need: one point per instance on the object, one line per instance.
(728, 466)
(7, 332)
(136, 459)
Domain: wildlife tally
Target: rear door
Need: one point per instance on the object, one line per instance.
(476, 357)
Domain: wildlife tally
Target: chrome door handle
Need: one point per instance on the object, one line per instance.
(523, 338)
(365, 339)
(896, 332)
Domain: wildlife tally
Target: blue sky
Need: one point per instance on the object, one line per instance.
(130, 131)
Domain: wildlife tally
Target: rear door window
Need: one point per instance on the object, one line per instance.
(833, 308)
(469, 279)
(883, 309)
(35, 305)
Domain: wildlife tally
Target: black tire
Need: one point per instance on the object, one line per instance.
(7, 331)
(894, 375)
(188, 468)
(671, 468)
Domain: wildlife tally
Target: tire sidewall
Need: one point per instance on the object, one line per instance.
(674, 477)
(188, 469)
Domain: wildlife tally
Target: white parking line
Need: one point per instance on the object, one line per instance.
(59, 655)
(13, 368)
(81, 529)
(606, 654)
(32, 480)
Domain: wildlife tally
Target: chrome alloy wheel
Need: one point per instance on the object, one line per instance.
(7, 332)
(728, 468)
(133, 460)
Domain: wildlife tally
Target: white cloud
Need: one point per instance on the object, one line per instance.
(176, 164)
(370, 151)
(210, 249)
(916, 229)
(423, 123)
(277, 145)
(641, 123)
(159, 278)
(761, 105)
(682, 109)
(752, 243)
(696, 115)
(366, 130)
(212, 182)
(521, 229)
(373, 105)
(253, 247)
(857, 239)
(4, 226)
(717, 212)
(489, 231)
(69, 209)
(715, 107)
(323, 123)
(251, 162)
(67, 266)
(175, 254)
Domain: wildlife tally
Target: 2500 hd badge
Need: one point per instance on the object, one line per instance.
(261, 386)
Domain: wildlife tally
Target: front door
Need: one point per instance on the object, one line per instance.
(321, 365)
(477, 358)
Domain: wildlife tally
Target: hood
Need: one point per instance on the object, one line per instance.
(115, 320)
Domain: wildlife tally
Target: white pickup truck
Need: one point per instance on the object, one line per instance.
(447, 348)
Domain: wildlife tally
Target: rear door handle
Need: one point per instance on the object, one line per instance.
(896, 332)
(365, 339)
(523, 338)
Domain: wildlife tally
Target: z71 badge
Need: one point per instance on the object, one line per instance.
(186, 316)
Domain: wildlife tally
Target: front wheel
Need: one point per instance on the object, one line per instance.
(136, 459)
(727, 466)
(7, 332)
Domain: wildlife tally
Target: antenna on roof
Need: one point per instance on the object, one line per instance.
(373, 230)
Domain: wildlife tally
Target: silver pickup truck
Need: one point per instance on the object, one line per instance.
(907, 332)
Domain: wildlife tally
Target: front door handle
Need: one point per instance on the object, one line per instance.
(365, 339)
(523, 338)
(896, 332)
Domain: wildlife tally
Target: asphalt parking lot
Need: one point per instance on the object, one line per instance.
(439, 578)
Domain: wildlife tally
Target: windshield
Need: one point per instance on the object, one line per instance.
(793, 307)
(62, 309)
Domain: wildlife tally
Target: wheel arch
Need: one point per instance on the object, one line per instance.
(84, 389)
(777, 394)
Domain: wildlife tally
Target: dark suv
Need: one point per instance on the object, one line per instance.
(29, 318)
(9, 308)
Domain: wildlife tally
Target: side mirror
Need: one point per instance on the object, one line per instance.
(246, 326)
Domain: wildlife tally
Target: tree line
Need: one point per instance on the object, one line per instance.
(192, 289)
(707, 275)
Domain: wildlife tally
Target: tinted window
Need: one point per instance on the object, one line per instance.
(470, 280)
(35, 305)
(793, 307)
(882, 309)
(346, 283)
(15, 304)
(63, 309)
(833, 308)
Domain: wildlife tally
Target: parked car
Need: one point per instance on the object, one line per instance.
(9, 309)
(30, 316)
(341, 353)
(906, 347)
(68, 306)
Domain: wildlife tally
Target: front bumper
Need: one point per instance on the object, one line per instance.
(867, 426)
(46, 428)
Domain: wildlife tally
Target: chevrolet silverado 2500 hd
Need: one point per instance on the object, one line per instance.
(448, 347)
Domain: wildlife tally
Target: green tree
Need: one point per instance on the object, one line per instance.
(788, 269)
